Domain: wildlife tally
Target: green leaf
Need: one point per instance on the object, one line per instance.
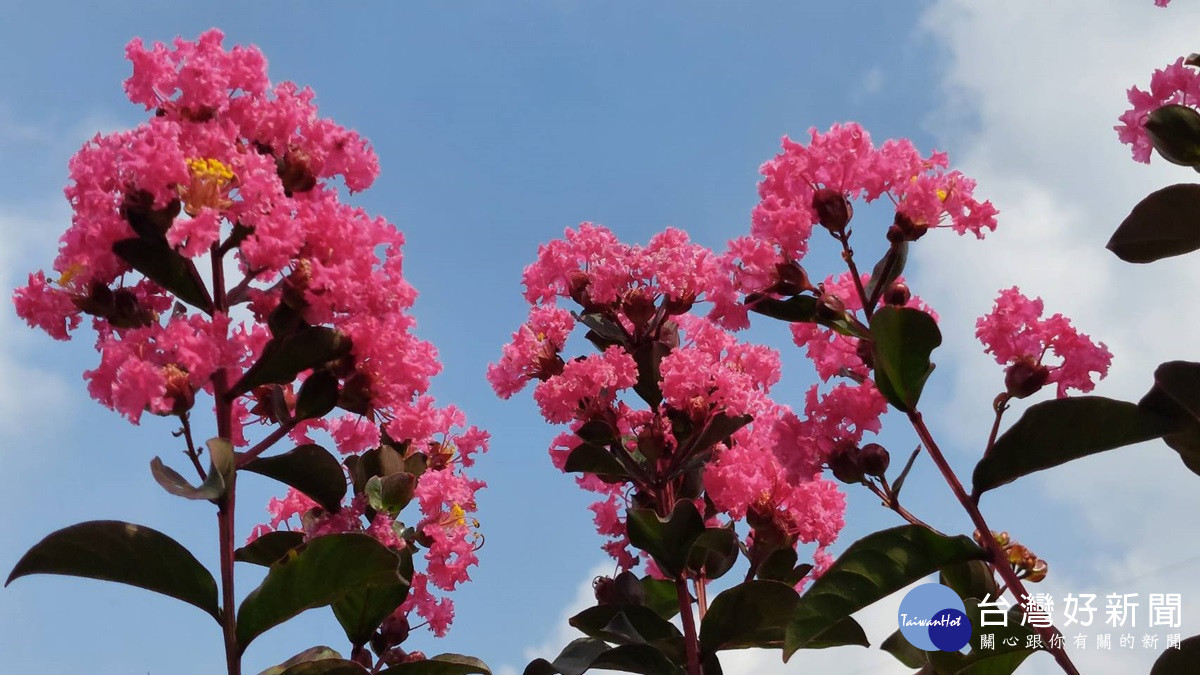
(286, 357)
(269, 547)
(112, 550)
(220, 470)
(778, 564)
(1175, 396)
(660, 596)
(442, 664)
(1059, 430)
(574, 659)
(1174, 130)
(1001, 660)
(898, 254)
(844, 633)
(970, 579)
(318, 395)
(797, 309)
(323, 571)
(903, 338)
(870, 569)
(717, 430)
(1164, 224)
(158, 262)
(594, 459)
(751, 614)
(902, 649)
(324, 667)
(713, 552)
(1180, 661)
(361, 610)
(642, 624)
(648, 357)
(899, 482)
(310, 655)
(644, 659)
(667, 541)
(391, 493)
(310, 469)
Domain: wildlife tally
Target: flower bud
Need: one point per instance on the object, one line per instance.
(830, 307)
(905, 229)
(577, 287)
(897, 294)
(681, 305)
(362, 657)
(638, 306)
(1038, 571)
(874, 459)
(866, 351)
(295, 173)
(602, 588)
(395, 629)
(1025, 377)
(834, 211)
(843, 462)
(793, 280)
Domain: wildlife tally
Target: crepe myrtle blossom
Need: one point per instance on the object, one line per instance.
(1018, 337)
(818, 182)
(636, 303)
(226, 203)
(1177, 83)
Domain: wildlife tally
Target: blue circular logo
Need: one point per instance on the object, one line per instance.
(932, 617)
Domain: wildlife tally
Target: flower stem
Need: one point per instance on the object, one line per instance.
(690, 640)
(998, 559)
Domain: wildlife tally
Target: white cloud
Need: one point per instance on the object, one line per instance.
(1032, 92)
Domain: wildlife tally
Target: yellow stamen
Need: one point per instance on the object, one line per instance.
(209, 187)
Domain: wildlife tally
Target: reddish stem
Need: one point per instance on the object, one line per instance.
(690, 640)
(999, 560)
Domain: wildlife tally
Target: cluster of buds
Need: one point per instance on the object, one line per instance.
(852, 464)
(1024, 563)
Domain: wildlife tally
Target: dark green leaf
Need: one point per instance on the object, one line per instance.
(596, 431)
(713, 552)
(778, 565)
(1059, 430)
(643, 624)
(1175, 397)
(1174, 130)
(391, 493)
(841, 634)
(970, 579)
(574, 659)
(607, 329)
(324, 667)
(1164, 224)
(648, 357)
(307, 656)
(442, 664)
(1182, 661)
(718, 429)
(903, 338)
(111, 550)
(361, 610)
(1000, 660)
(594, 459)
(870, 569)
(269, 547)
(899, 483)
(158, 262)
(797, 309)
(318, 395)
(660, 595)
(667, 541)
(751, 614)
(322, 572)
(285, 358)
(888, 269)
(644, 659)
(310, 469)
(902, 649)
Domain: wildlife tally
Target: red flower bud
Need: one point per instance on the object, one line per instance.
(1025, 377)
(834, 211)
(874, 459)
(897, 294)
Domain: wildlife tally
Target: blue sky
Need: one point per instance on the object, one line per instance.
(500, 124)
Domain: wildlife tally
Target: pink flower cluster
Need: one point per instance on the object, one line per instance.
(843, 161)
(635, 302)
(1017, 336)
(226, 199)
(1178, 83)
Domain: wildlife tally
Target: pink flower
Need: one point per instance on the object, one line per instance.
(1016, 335)
(589, 382)
(533, 352)
(1177, 83)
